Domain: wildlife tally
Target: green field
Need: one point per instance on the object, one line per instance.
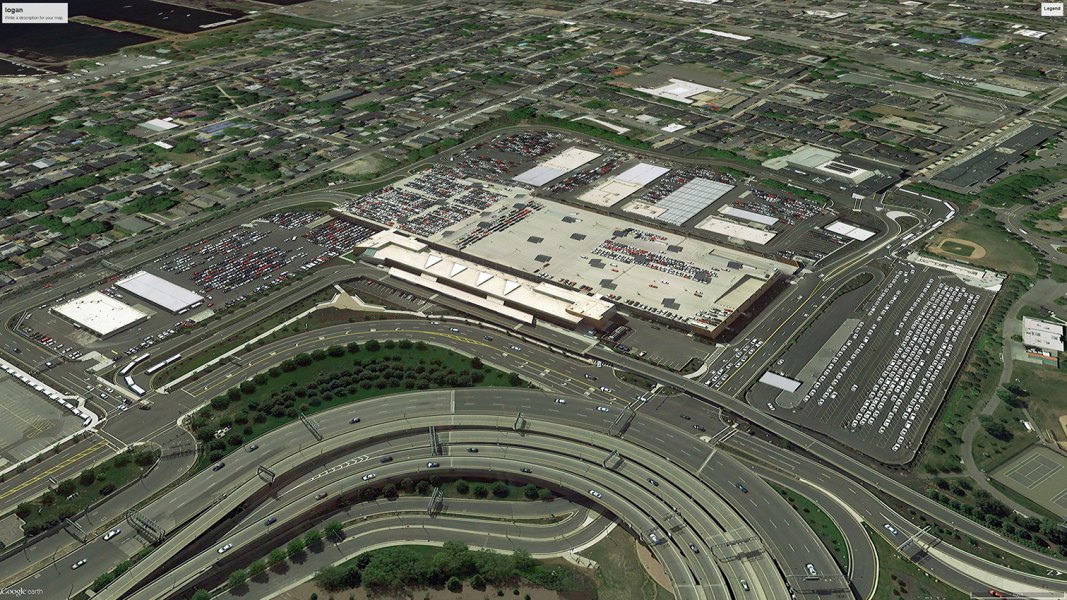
(899, 579)
(619, 571)
(1046, 400)
(1003, 253)
(957, 248)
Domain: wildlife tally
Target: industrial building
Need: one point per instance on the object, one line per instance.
(99, 314)
(159, 292)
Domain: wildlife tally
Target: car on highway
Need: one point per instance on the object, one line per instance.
(606, 389)
(354, 420)
(595, 494)
(270, 521)
(473, 450)
(111, 534)
(603, 408)
(653, 482)
(560, 401)
(590, 377)
(699, 427)
(321, 495)
(686, 417)
(741, 486)
(225, 548)
(453, 329)
(369, 476)
(995, 594)
(811, 570)
(694, 548)
(744, 586)
(79, 563)
(891, 529)
(487, 338)
(253, 447)
(526, 470)
(432, 465)
(385, 459)
(516, 349)
(218, 466)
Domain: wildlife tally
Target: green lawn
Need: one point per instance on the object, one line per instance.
(1002, 253)
(820, 523)
(899, 579)
(619, 571)
(1046, 400)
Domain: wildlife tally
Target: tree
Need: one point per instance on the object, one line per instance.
(24, 509)
(237, 578)
(997, 429)
(407, 484)
(389, 491)
(303, 359)
(395, 568)
(294, 547)
(335, 579)
(87, 477)
(514, 380)
(462, 487)
(530, 491)
(500, 489)
(476, 363)
(66, 487)
(201, 594)
(312, 538)
(522, 560)
(422, 487)
(352, 347)
(257, 568)
(372, 346)
(454, 585)
(478, 582)
(480, 490)
(276, 556)
(544, 494)
(334, 531)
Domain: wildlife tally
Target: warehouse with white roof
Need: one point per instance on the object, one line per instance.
(160, 292)
(99, 314)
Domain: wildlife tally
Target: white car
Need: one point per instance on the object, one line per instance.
(891, 529)
(595, 494)
(453, 330)
(606, 390)
(560, 401)
(369, 476)
(602, 408)
(111, 534)
(516, 349)
(79, 563)
(223, 549)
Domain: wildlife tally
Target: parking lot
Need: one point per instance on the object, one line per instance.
(225, 269)
(876, 383)
(29, 422)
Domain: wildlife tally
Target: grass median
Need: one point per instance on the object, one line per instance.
(821, 523)
(327, 378)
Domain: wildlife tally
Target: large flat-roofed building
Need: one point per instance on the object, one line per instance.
(99, 314)
(160, 292)
(515, 297)
(549, 247)
(1043, 334)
